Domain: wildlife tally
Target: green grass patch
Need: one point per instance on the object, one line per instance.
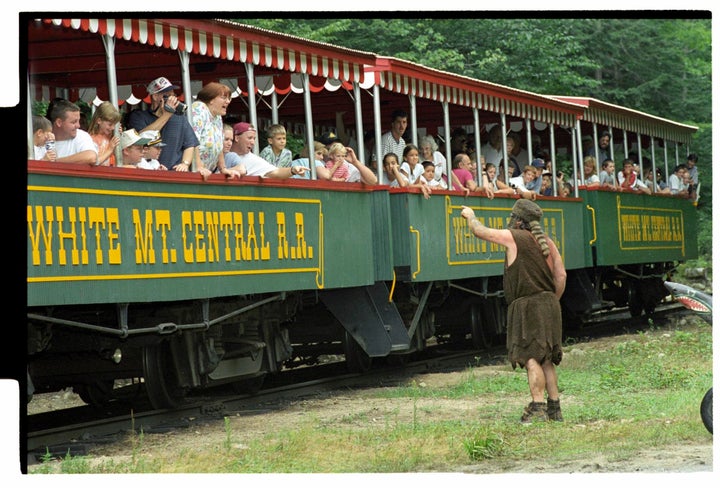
(637, 392)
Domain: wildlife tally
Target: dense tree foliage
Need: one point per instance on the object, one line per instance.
(658, 66)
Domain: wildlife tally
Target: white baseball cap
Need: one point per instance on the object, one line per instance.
(130, 137)
(160, 85)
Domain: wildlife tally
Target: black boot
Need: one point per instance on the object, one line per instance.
(553, 410)
(534, 412)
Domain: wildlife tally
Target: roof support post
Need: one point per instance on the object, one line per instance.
(528, 136)
(639, 153)
(625, 143)
(378, 134)
(111, 73)
(652, 163)
(185, 75)
(503, 126)
(252, 108)
(478, 147)
(359, 130)
(595, 145)
(448, 152)
(309, 131)
(274, 108)
(577, 157)
(551, 126)
(413, 118)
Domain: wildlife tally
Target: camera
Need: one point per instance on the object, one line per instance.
(179, 110)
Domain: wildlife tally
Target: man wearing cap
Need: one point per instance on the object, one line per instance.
(133, 148)
(243, 161)
(533, 282)
(153, 149)
(176, 132)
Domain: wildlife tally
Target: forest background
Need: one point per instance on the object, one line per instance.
(660, 66)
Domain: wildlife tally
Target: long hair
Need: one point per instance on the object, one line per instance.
(535, 229)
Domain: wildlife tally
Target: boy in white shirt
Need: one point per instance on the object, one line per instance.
(150, 159)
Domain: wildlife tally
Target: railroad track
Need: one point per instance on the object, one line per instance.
(76, 430)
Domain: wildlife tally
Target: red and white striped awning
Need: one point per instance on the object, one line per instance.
(615, 116)
(411, 79)
(230, 41)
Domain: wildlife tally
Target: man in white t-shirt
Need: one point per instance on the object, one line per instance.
(244, 161)
(72, 144)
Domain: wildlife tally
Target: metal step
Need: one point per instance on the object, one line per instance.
(369, 317)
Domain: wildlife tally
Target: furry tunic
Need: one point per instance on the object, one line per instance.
(534, 319)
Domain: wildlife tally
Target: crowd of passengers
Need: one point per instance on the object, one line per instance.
(158, 139)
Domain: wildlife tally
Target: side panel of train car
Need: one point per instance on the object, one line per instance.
(636, 228)
(433, 242)
(91, 238)
(189, 284)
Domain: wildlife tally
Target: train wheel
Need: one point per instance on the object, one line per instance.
(161, 382)
(706, 410)
(97, 393)
(635, 302)
(357, 360)
(480, 337)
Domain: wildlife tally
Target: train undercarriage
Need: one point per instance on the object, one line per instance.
(177, 347)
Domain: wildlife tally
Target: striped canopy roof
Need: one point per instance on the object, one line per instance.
(231, 41)
(615, 116)
(409, 78)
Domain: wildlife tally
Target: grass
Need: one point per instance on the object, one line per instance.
(640, 392)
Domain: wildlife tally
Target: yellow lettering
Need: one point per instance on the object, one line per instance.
(41, 233)
(114, 247)
(199, 227)
(264, 245)
(96, 218)
(213, 243)
(162, 223)
(186, 222)
(144, 250)
(69, 234)
(301, 250)
(282, 236)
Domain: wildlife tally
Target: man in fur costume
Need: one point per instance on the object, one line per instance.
(533, 281)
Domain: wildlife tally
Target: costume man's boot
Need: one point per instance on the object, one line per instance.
(553, 410)
(534, 412)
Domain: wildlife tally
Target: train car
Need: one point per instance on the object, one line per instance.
(634, 242)
(188, 284)
(184, 284)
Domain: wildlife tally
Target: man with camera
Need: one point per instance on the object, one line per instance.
(167, 115)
